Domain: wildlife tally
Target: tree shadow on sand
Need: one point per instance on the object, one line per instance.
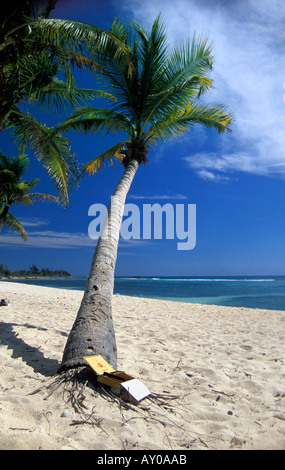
(74, 385)
(32, 356)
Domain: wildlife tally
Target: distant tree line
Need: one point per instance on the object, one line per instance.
(33, 271)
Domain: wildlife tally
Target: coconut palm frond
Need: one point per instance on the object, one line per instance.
(13, 224)
(52, 149)
(31, 197)
(183, 120)
(14, 167)
(152, 57)
(13, 190)
(193, 57)
(216, 117)
(93, 119)
(113, 153)
(82, 37)
(184, 78)
(55, 96)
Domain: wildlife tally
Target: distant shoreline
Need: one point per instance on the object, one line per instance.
(15, 278)
(32, 273)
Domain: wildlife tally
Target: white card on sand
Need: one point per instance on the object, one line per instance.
(136, 388)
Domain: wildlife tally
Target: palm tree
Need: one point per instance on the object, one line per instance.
(13, 190)
(33, 50)
(157, 101)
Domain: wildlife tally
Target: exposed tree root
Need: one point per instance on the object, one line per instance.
(72, 384)
(165, 409)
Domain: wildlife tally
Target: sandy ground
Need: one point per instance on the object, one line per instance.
(219, 373)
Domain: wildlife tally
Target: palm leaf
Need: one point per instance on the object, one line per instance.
(181, 120)
(211, 116)
(97, 163)
(55, 96)
(16, 166)
(152, 55)
(183, 78)
(88, 118)
(13, 224)
(81, 37)
(51, 149)
(31, 197)
(191, 58)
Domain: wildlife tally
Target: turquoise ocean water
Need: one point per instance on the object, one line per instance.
(252, 292)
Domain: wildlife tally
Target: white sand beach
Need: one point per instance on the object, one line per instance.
(225, 366)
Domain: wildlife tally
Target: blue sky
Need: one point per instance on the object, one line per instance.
(236, 180)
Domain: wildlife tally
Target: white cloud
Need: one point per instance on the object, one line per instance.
(225, 163)
(33, 221)
(48, 239)
(59, 240)
(249, 74)
(210, 176)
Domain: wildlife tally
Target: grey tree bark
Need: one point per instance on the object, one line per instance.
(93, 330)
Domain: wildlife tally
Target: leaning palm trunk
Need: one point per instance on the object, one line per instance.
(93, 330)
